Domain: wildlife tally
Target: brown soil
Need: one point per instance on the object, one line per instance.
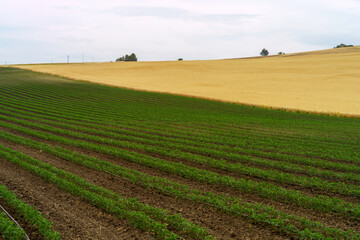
(295, 173)
(241, 153)
(281, 138)
(30, 230)
(71, 217)
(306, 190)
(190, 212)
(220, 224)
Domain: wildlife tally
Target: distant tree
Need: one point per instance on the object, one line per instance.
(343, 45)
(264, 52)
(180, 59)
(132, 58)
(281, 53)
(127, 58)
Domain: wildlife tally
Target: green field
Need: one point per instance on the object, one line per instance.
(145, 165)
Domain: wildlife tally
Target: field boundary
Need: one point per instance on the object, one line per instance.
(294, 110)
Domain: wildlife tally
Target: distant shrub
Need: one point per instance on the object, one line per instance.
(264, 52)
(127, 58)
(180, 59)
(343, 45)
(281, 53)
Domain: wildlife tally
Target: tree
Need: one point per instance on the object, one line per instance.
(128, 58)
(120, 59)
(343, 45)
(264, 52)
(132, 58)
(180, 59)
(281, 53)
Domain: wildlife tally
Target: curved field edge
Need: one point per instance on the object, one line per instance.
(262, 106)
(266, 82)
(182, 116)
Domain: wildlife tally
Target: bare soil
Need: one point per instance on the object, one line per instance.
(71, 217)
(220, 224)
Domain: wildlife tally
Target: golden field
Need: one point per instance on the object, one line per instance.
(321, 81)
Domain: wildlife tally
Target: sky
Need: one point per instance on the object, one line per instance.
(45, 31)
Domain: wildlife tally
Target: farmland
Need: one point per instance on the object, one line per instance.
(320, 81)
(99, 162)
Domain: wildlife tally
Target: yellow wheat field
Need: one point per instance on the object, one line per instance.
(322, 81)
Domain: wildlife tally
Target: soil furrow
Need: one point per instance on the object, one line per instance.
(305, 190)
(71, 217)
(31, 231)
(220, 224)
(331, 219)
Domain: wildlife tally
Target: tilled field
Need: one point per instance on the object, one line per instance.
(96, 162)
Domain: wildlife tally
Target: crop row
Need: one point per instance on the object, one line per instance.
(125, 96)
(204, 149)
(261, 214)
(249, 142)
(203, 132)
(266, 190)
(157, 130)
(98, 91)
(277, 155)
(43, 96)
(104, 93)
(137, 213)
(176, 138)
(42, 91)
(244, 155)
(31, 215)
(174, 152)
(9, 230)
(232, 134)
(242, 143)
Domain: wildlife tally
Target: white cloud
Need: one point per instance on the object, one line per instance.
(39, 30)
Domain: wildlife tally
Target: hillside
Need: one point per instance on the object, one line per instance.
(321, 81)
(99, 162)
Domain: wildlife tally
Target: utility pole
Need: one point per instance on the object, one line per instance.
(68, 58)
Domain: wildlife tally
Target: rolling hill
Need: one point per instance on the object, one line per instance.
(325, 81)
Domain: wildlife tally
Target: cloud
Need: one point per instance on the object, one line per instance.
(175, 13)
(168, 29)
(145, 11)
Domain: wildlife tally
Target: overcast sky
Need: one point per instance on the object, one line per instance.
(34, 31)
